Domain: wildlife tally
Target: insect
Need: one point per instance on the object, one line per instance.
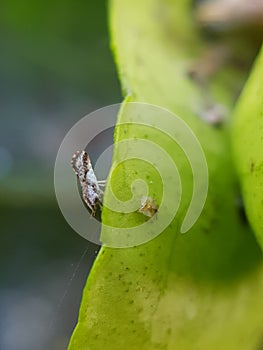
(148, 206)
(215, 115)
(230, 13)
(90, 186)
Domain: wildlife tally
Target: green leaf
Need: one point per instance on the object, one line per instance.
(202, 289)
(248, 145)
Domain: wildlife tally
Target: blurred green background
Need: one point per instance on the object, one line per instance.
(56, 66)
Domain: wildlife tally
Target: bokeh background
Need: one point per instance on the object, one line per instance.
(55, 67)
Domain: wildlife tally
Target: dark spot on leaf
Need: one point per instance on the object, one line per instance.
(192, 74)
(252, 166)
(206, 230)
(168, 331)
